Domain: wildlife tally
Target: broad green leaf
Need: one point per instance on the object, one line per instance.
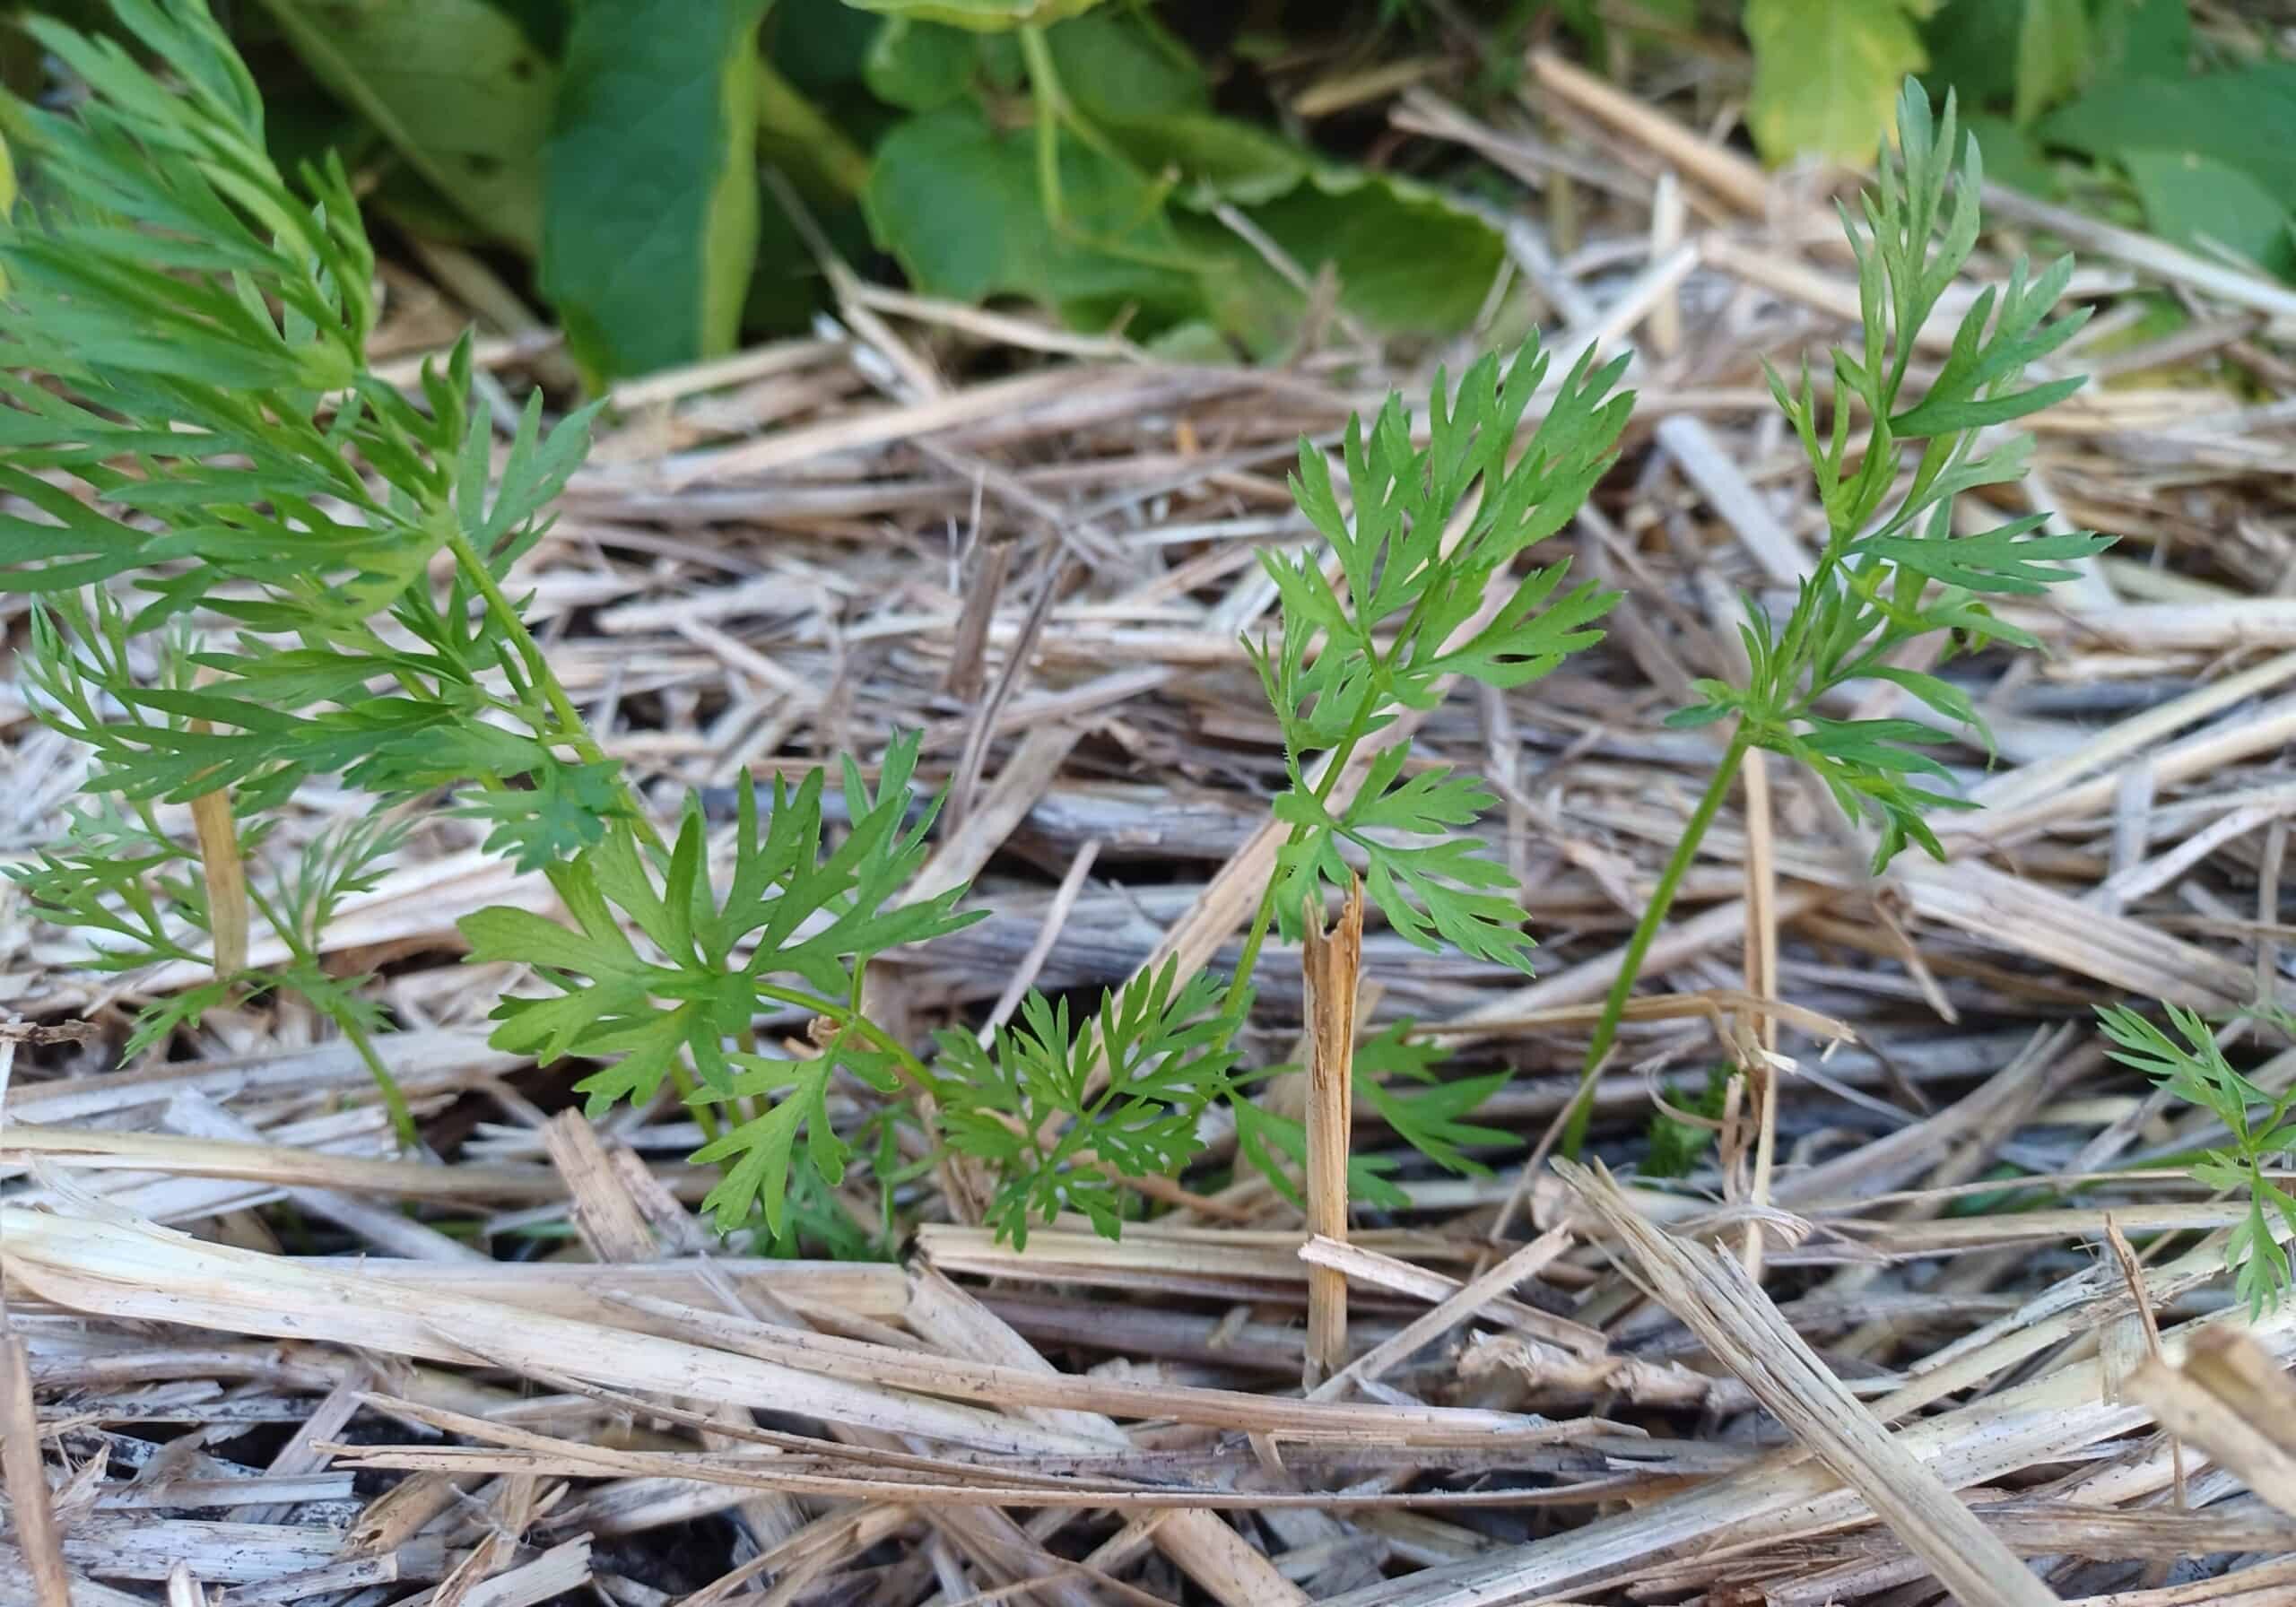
(820, 46)
(2052, 52)
(1222, 159)
(960, 206)
(2143, 38)
(918, 66)
(1117, 65)
(2245, 118)
(454, 86)
(1408, 261)
(650, 177)
(964, 207)
(1972, 49)
(982, 16)
(1826, 74)
(2198, 202)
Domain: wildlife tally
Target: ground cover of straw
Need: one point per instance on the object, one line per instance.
(255, 1349)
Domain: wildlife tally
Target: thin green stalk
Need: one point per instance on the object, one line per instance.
(1356, 730)
(1645, 931)
(1788, 665)
(402, 1114)
(1044, 84)
(573, 729)
(911, 1069)
(1055, 111)
(347, 1022)
(794, 126)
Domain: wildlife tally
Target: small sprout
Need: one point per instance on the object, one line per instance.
(1892, 570)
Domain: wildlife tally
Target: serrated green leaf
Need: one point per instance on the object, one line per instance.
(2196, 1072)
(1440, 887)
(1430, 1120)
(566, 811)
(2010, 560)
(1884, 744)
(1163, 1048)
(1266, 1141)
(650, 179)
(503, 526)
(159, 1021)
(1530, 635)
(500, 933)
(759, 1148)
(1394, 1052)
(1939, 695)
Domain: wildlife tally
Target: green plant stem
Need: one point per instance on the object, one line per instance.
(1044, 87)
(849, 1017)
(1356, 730)
(1645, 931)
(1055, 111)
(823, 159)
(347, 1022)
(402, 1114)
(573, 730)
(1786, 667)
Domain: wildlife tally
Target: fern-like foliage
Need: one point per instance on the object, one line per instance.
(254, 562)
(1059, 1109)
(792, 910)
(230, 526)
(1411, 610)
(1893, 569)
(1430, 1120)
(2261, 1124)
(192, 427)
(226, 519)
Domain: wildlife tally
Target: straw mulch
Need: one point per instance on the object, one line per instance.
(262, 1357)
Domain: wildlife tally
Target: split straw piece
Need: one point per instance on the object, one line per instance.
(1333, 964)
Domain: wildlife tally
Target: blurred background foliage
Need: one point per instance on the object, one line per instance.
(667, 179)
